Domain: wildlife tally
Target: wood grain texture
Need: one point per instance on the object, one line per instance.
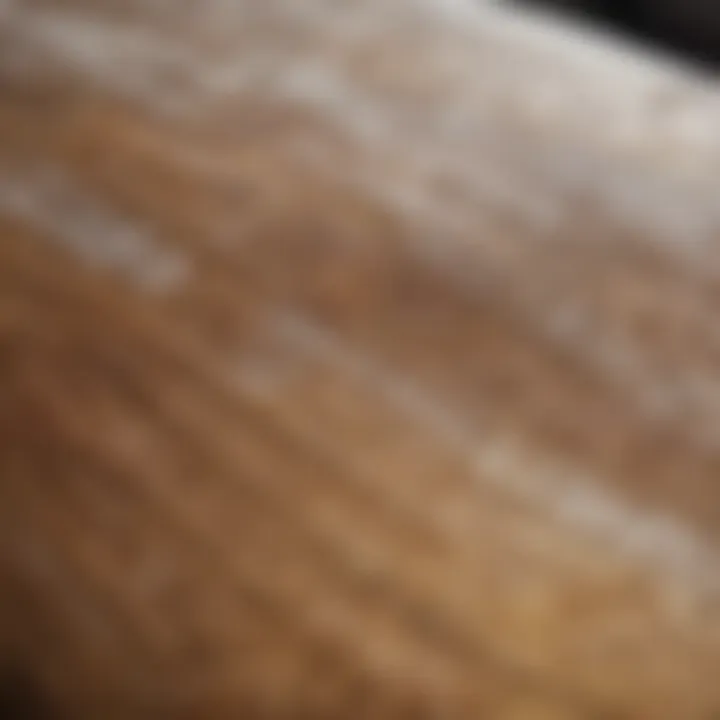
(357, 360)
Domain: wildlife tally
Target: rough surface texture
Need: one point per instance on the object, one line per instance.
(357, 360)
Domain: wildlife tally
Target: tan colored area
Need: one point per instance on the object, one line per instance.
(313, 404)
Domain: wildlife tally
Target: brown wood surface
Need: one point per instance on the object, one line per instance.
(357, 360)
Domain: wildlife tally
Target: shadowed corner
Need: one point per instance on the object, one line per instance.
(21, 697)
(686, 29)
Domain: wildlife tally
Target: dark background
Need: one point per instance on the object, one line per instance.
(687, 28)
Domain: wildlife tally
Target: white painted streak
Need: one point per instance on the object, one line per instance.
(587, 116)
(573, 497)
(77, 221)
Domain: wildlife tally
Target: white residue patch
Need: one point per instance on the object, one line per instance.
(525, 114)
(70, 217)
(569, 495)
(577, 497)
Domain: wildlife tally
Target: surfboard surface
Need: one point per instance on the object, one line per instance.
(357, 360)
